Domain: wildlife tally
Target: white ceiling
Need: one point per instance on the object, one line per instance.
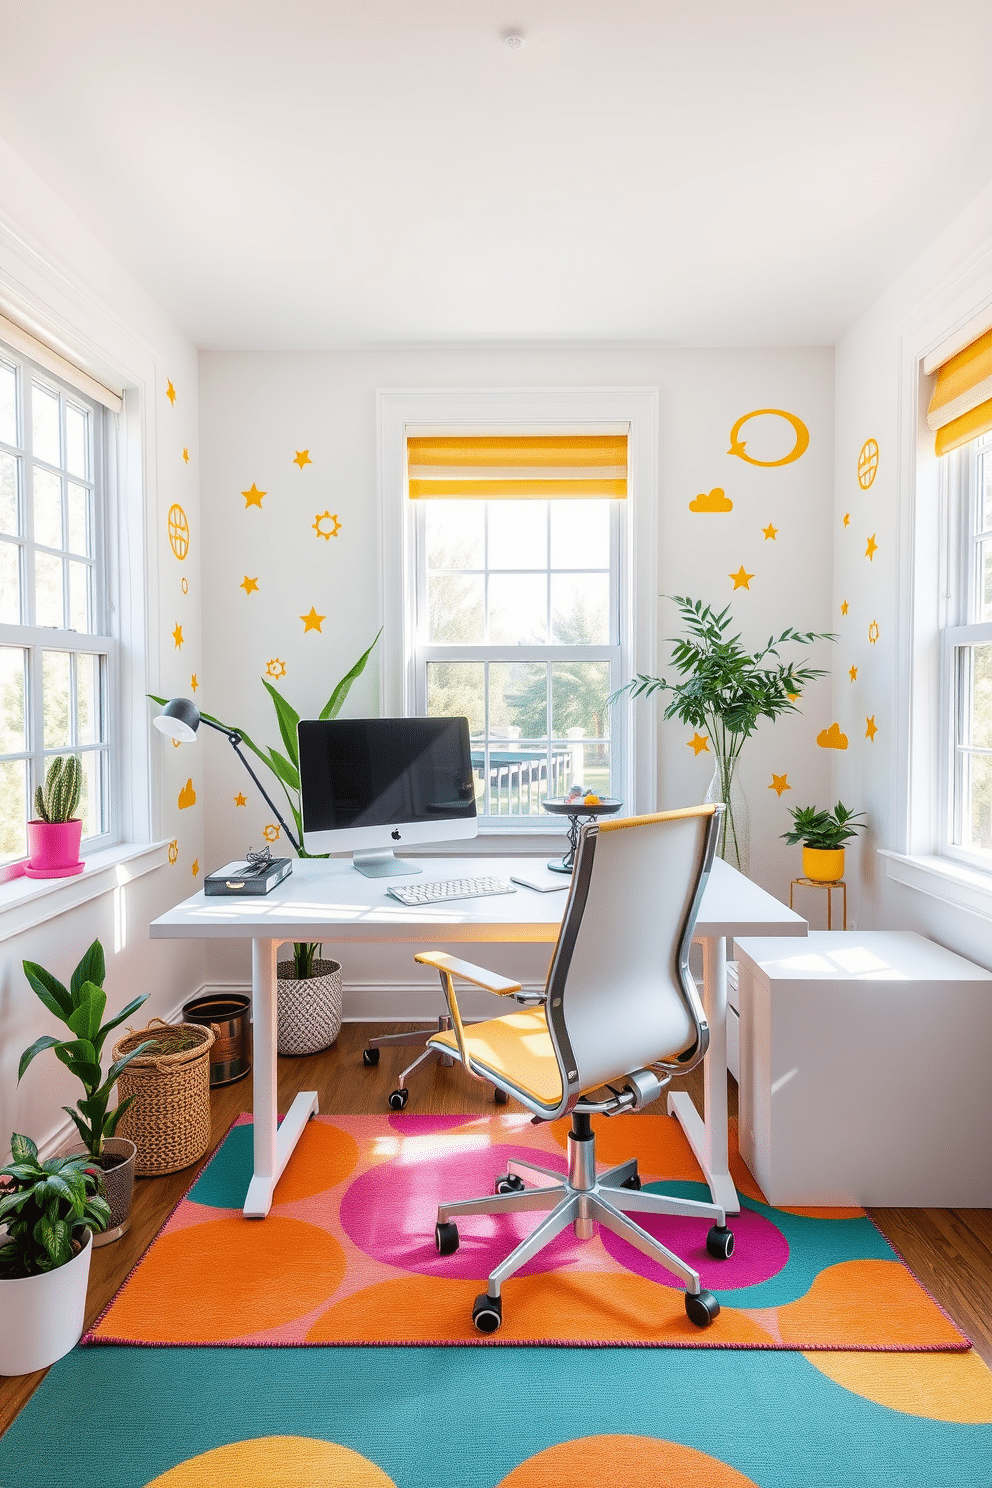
(360, 172)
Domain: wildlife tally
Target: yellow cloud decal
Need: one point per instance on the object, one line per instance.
(187, 796)
(832, 738)
(712, 501)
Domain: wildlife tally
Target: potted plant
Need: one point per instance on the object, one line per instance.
(724, 690)
(50, 1210)
(81, 1007)
(823, 834)
(54, 835)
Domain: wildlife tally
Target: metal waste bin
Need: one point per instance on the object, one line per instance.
(229, 1015)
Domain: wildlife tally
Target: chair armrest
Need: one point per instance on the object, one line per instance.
(477, 975)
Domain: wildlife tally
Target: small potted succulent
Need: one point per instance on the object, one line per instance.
(81, 1007)
(50, 1210)
(823, 834)
(54, 835)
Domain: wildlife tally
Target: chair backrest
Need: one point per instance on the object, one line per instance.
(620, 995)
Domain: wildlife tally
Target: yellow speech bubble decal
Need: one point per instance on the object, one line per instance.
(713, 501)
(738, 445)
(832, 738)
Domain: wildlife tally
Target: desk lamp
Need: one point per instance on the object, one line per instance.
(180, 719)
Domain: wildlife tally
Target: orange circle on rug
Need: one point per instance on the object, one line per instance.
(611, 1459)
(276, 1462)
(855, 1301)
(228, 1278)
(323, 1157)
(939, 1387)
(660, 1146)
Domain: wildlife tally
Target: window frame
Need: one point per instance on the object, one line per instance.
(35, 640)
(634, 734)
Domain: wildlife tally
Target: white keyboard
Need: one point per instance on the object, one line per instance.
(413, 895)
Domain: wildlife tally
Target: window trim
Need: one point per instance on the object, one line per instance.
(516, 408)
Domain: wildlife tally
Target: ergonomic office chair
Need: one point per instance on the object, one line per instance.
(621, 1016)
(417, 1037)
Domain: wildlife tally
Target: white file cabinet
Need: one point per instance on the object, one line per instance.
(865, 1070)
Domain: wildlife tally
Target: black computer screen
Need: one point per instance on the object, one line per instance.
(371, 772)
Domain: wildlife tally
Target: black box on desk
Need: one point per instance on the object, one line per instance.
(243, 877)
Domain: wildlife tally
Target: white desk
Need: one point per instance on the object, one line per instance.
(326, 900)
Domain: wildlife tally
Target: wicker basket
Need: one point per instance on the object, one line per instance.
(310, 1010)
(169, 1122)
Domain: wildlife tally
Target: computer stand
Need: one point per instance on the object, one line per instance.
(379, 863)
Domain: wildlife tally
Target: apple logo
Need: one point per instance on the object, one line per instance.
(395, 834)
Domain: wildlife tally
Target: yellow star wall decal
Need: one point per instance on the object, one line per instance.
(271, 832)
(275, 668)
(253, 496)
(327, 517)
(174, 851)
(170, 393)
(248, 585)
(196, 867)
(844, 607)
(185, 455)
(847, 519)
(313, 621)
(872, 547)
(240, 800)
(698, 743)
(871, 728)
(779, 784)
(770, 532)
(177, 636)
(853, 674)
(873, 632)
(193, 683)
(301, 458)
(742, 579)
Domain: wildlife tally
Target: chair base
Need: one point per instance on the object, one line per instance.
(583, 1199)
(417, 1037)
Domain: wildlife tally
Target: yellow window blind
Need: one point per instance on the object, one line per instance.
(961, 404)
(490, 467)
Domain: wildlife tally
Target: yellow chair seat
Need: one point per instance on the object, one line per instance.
(516, 1048)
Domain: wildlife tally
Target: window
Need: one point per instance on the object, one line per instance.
(56, 656)
(967, 654)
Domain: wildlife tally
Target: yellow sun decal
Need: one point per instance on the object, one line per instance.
(174, 851)
(867, 464)
(873, 632)
(275, 668)
(327, 517)
(178, 531)
(271, 832)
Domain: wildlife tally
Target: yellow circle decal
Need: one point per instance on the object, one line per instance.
(178, 531)
(867, 464)
(276, 1462)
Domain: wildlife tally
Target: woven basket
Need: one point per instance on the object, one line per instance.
(169, 1122)
(309, 1010)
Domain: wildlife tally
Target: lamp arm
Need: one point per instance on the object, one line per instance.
(234, 739)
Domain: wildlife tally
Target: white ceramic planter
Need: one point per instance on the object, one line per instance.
(43, 1315)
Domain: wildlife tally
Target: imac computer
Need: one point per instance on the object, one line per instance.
(368, 785)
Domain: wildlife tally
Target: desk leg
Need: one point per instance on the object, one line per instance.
(273, 1142)
(709, 1138)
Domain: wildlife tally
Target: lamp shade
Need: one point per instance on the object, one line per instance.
(179, 719)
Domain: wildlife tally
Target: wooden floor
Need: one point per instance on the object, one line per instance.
(950, 1250)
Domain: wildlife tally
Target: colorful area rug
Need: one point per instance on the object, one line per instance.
(503, 1418)
(347, 1255)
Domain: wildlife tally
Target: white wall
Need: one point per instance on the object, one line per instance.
(58, 278)
(257, 410)
(876, 398)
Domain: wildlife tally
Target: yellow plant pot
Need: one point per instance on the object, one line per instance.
(823, 865)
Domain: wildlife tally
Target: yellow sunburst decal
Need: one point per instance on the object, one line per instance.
(275, 668)
(271, 832)
(174, 851)
(873, 632)
(327, 516)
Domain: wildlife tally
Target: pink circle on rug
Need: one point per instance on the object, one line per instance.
(390, 1211)
(760, 1250)
(415, 1125)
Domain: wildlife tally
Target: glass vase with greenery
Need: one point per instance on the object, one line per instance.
(722, 690)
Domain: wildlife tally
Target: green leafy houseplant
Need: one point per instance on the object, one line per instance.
(725, 690)
(825, 831)
(47, 1208)
(58, 799)
(81, 1007)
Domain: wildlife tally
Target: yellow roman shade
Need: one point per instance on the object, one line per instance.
(498, 466)
(961, 404)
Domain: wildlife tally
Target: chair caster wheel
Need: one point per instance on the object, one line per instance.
(702, 1308)
(370, 1058)
(398, 1099)
(634, 1182)
(500, 1096)
(445, 1238)
(508, 1183)
(720, 1243)
(487, 1312)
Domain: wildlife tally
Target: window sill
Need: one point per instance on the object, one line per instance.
(944, 879)
(26, 902)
